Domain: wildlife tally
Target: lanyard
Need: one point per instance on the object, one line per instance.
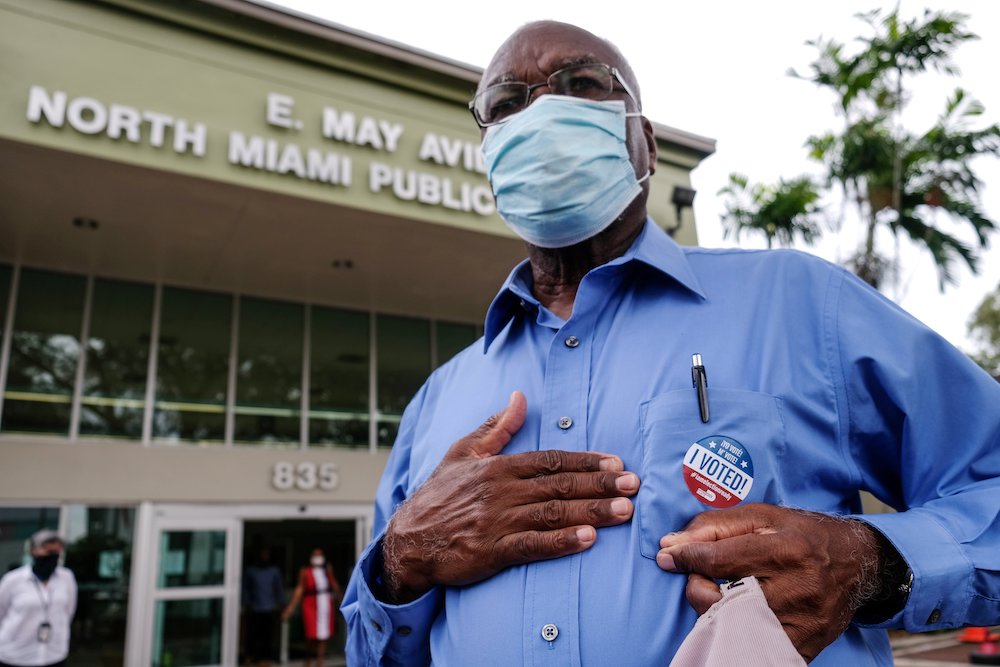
(46, 600)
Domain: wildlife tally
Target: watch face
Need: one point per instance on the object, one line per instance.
(44, 632)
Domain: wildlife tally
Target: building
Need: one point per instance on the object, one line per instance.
(233, 243)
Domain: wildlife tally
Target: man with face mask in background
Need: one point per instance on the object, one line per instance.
(37, 603)
(587, 522)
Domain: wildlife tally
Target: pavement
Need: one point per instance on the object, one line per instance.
(937, 649)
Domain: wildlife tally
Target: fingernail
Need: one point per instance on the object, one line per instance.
(665, 561)
(585, 533)
(621, 506)
(668, 539)
(627, 482)
(611, 464)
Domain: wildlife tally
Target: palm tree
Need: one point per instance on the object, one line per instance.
(919, 186)
(784, 212)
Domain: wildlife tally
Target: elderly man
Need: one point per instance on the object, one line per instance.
(587, 522)
(37, 603)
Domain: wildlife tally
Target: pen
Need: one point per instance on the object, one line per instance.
(699, 380)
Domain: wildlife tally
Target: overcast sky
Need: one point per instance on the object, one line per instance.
(718, 68)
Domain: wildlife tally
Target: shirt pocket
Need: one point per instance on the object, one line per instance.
(689, 467)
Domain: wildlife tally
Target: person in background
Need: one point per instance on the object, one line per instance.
(37, 603)
(319, 591)
(263, 597)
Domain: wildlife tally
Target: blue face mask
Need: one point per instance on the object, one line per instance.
(560, 169)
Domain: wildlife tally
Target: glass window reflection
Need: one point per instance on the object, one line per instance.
(114, 387)
(404, 361)
(99, 551)
(338, 378)
(5, 280)
(269, 382)
(452, 338)
(45, 347)
(16, 525)
(192, 558)
(192, 366)
(188, 633)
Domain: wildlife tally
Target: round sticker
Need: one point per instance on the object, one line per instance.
(718, 470)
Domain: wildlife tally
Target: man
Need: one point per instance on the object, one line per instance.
(37, 603)
(263, 599)
(560, 531)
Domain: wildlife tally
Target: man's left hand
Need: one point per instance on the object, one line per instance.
(815, 570)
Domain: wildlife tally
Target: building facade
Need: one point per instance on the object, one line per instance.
(234, 241)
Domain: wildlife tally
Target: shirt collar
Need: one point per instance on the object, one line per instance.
(653, 247)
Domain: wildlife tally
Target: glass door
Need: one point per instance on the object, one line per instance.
(194, 616)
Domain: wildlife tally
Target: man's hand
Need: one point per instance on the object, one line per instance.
(815, 570)
(479, 513)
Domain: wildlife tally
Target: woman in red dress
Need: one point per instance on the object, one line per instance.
(319, 591)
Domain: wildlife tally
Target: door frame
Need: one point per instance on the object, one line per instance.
(153, 518)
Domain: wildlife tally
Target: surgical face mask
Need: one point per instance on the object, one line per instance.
(560, 169)
(44, 566)
(317, 561)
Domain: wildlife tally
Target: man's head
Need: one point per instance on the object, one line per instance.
(46, 542)
(46, 547)
(538, 54)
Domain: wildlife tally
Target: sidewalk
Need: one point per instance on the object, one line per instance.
(939, 649)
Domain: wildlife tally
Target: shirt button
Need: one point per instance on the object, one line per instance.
(564, 423)
(549, 632)
(572, 341)
(404, 630)
(935, 616)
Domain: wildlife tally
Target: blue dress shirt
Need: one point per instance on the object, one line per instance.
(818, 387)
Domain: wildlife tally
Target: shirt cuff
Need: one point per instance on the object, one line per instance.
(942, 574)
(401, 631)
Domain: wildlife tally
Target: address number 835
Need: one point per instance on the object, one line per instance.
(305, 476)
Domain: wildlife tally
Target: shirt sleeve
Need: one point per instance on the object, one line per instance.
(923, 434)
(379, 633)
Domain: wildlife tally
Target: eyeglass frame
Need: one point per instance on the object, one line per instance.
(530, 87)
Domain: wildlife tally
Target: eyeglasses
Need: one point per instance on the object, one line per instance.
(592, 81)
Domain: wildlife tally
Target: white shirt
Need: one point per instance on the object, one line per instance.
(26, 603)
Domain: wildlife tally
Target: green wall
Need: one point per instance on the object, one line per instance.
(135, 60)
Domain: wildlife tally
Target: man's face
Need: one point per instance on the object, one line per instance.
(534, 52)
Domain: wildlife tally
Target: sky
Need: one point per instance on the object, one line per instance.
(718, 68)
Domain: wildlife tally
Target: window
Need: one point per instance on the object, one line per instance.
(404, 361)
(114, 386)
(338, 378)
(45, 347)
(192, 366)
(452, 338)
(269, 382)
(99, 551)
(5, 278)
(17, 524)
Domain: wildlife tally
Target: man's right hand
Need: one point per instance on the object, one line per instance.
(479, 513)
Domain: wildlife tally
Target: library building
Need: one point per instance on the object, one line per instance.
(234, 242)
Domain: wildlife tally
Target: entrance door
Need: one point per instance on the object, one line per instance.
(195, 593)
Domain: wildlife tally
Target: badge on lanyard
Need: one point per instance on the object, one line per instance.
(44, 632)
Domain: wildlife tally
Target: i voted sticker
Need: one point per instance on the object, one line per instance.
(718, 470)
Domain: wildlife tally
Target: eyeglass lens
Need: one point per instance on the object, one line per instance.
(592, 81)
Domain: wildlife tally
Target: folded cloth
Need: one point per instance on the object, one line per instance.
(739, 629)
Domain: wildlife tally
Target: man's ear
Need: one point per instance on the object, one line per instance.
(647, 133)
